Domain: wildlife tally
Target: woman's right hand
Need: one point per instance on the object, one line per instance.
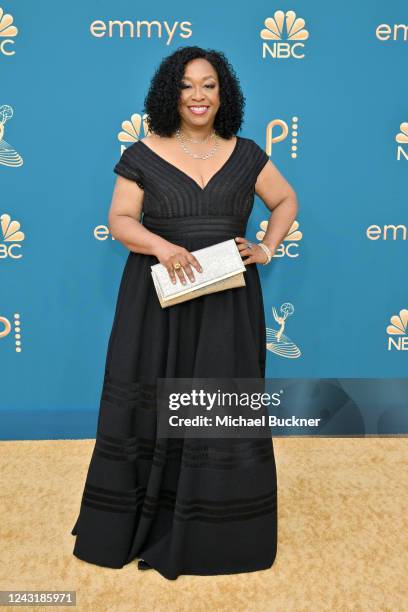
(171, 253)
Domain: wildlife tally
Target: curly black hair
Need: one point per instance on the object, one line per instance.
(162, 99)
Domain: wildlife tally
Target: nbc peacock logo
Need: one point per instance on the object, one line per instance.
(397, 331)
(402, 139)
(276, 340)
(289, 246)
(8, 155)
(133, 129)
(283, 36)
(8, 32)
(11, 238)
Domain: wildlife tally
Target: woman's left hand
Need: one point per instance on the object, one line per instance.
(254, 255)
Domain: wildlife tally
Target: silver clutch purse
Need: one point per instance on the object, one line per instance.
(222, 268)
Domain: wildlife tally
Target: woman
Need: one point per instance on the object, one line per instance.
(184, 506)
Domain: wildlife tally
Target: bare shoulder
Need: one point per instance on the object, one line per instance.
(155, 139)
(150, 138)
(158, 144)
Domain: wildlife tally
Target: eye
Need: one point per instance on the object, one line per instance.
(209, 85)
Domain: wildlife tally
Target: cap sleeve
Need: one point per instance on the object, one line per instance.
(129, 167)
(259, 159)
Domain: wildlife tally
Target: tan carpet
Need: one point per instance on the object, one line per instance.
(342, 526)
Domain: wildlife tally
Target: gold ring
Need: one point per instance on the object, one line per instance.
(177, 265)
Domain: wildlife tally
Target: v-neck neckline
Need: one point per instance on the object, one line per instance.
(190, 178)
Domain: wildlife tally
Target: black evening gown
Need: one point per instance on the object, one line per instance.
(185, 506)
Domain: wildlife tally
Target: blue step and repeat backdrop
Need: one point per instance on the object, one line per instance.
(326, 97)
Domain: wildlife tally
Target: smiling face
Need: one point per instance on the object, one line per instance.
(199, 97)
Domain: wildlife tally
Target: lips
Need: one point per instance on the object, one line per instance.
(198, 109)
